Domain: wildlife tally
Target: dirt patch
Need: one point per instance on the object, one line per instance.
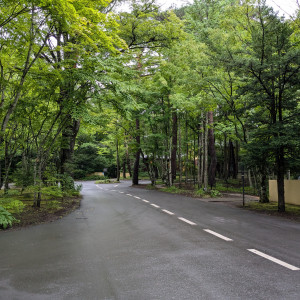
(39, 215)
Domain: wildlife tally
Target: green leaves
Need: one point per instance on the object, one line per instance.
(6, 219)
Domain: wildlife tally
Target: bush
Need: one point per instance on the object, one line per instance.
(6, 219)
(14, 206)
(200, 192)
(52, 191)
(215, 193)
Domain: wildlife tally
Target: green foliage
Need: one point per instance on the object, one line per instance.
(52, 191)
(200, 192)
(215, 194)
(6, 219)
(12, 205)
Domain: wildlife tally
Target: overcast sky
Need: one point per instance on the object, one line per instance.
(286, 7)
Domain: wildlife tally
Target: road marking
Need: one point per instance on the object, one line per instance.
(113, 190)
(145, 200)
(136, 197)
(99, 187)
(275, 260)
(218, 235)
(128, 194)
(121, 192)
(187, 221)
(154, 205)
(116, 185)
(168, 212)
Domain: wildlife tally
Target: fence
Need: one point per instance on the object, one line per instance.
(291, 191)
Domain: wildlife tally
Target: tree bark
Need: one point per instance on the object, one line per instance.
(69, 135)
(280, 179)
(174, 145)
(118, 161)
(212, 151)
(135, 177)
(205, 153)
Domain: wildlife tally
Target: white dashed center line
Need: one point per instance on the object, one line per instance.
(128, 194)
(136, 197)
(154, 205)
(187, 221)
(121, 192)
(218, 235)
(168, 212)
(116, 185)
(275, 260)
(145, 200)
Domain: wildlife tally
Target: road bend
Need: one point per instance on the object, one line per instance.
(132, 243)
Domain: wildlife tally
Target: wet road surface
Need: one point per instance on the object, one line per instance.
(131, 243)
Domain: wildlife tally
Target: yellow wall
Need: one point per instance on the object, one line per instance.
(291, 191)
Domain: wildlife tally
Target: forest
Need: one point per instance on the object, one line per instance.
(198, 94)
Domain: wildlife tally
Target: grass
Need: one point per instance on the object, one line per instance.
(273, 207)
(235, 188)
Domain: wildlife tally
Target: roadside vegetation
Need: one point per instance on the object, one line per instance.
(17, 207)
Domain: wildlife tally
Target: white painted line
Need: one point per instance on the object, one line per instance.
(99, 187)
(145, 200)
(154, 205)
(128, 194)
(218, 235)
(116, 185)
(275, 260)
(121, 192)
(168, 212)
(187, 221)
(136, 197)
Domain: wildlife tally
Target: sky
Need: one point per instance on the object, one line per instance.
(284, 7)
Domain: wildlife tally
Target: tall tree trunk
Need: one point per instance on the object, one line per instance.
(128, 159)
(174, 145)
(263, 188)
(280, 179)
(280, 161)
(179, 154)
(232, 166)
(212, 151)
(69, 135)
(225, 165)
(206, 153)
(199, 171)
(118, 161)
(187, 151)
(202, 150)
(249, 178)
(135, 177)
(124, 167)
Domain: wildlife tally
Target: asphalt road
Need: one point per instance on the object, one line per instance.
(119, 246)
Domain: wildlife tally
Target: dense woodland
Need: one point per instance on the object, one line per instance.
(200, 93)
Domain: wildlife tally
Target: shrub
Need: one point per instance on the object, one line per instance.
(15, 206)
(200, 192)
(215, 193)
(6, 219)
